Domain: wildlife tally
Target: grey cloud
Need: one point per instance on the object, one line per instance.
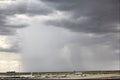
(103, 15)
(97, 52)
(42, 45)
(106, 39)
(6, 31)
(63, 50)
(26, 8)
(37, 9)
(9, 29)
(9, 50)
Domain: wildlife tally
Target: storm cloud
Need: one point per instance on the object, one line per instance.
(63, 35)
(87, 16)
(9, 21)
(84, 15)
(19, 7)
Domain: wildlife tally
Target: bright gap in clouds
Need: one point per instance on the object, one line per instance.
(10, 62)
(4, 43)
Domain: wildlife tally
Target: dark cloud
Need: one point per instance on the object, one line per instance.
(7, 29)
(77, 50)
(58, 49)
(99, 19)
(103, 15)
(26, 8)
(22, 8)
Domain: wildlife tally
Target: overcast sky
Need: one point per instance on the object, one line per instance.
(59, 35)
